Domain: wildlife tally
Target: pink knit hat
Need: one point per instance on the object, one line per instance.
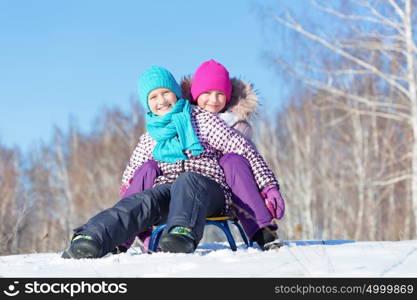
(211, 75)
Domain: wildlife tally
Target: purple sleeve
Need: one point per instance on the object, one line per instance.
(141, 154)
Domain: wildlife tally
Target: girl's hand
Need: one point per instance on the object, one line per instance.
(274, 201)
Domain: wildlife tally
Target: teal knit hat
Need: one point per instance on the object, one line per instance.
(153, 78)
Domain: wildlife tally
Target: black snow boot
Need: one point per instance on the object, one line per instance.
(267, 239)
(178, 240)
(82, 246)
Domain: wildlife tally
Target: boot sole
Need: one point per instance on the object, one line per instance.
(273, 246)
(175, 243)
(81, 249)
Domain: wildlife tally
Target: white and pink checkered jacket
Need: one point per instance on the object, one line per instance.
(216, 139)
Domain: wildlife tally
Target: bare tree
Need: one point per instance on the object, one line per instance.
(13, 204)
(377, 43)
(64, 182)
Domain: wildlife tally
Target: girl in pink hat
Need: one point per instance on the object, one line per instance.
(234, 101)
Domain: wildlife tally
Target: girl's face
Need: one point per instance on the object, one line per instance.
(161, 101)
(212, 101)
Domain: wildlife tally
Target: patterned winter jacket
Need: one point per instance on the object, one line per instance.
(217, 139)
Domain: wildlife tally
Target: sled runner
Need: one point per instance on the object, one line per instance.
(220, 222)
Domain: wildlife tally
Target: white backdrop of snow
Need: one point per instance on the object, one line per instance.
(358, 259)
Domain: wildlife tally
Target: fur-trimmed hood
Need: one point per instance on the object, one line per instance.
(243, 101)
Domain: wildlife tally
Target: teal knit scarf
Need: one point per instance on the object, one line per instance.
(173, 133)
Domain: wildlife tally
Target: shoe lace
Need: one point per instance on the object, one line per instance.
(182, 231)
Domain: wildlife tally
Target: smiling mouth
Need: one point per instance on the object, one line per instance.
(212, 107)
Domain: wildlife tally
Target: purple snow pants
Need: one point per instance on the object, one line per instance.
(249, 205)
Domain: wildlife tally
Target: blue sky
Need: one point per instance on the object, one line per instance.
(69, 59)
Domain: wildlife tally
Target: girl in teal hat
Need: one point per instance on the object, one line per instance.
(168, 116)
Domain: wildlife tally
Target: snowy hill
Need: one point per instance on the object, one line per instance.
(358, 259)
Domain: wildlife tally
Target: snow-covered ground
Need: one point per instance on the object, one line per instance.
(358, 259)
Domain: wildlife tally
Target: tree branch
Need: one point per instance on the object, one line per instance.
(297, 27)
